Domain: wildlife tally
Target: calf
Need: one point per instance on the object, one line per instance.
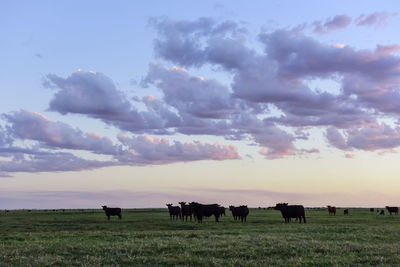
(174, 212)
(346, 212)
(112, 212)
(291, 211)
(394, 210)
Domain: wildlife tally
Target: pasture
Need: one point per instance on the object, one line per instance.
(148, 237)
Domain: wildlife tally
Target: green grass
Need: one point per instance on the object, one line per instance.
(147, 237)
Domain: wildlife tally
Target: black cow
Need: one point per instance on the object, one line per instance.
(382, 212)
(371, 209)
(174, 212)
(332, 210)
(112, 212)
(239, 213)
(234, 211)
(394, 210)
(221, 210)
(186, 211)
(346, 212)
(291, 211)
(201, 210)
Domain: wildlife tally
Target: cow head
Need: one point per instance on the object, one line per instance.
(280, 206)
(183, 203)
(169, 205)
(104, 207)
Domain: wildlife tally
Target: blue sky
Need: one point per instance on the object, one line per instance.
(138, 104)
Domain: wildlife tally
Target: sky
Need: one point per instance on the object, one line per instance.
(142, 103)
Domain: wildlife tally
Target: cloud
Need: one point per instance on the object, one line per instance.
(194, 43)
(376, 18)
(387, 49)
(27, 125)
(367, 138)
(267, 101)
(48, 140)
(95, 95)
(301, 56)
(87, 93)
(150, 150)
(49, 162)
(196, 96)
(336, 23)
(335, 138)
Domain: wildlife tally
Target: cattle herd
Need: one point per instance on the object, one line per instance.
(198, 211)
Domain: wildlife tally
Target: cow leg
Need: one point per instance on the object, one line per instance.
(120, 216)
(108, 216)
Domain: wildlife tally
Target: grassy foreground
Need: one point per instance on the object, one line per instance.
(147, 237)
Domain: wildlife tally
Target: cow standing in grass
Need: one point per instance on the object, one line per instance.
(112, 212)
(332, 210)
(186, 211)
(291, 211)
(174, 212)
(394, 210)
(239, 213)
(221, 210)
(234, 211)
(346, 212)
(201, 210)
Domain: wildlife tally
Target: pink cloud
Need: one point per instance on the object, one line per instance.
(152, 150)
(336, 23)
(376, 18)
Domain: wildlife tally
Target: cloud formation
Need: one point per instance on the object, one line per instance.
(27, 125)
(46, 144)
(150, 150)
(265, 100)
(376, 18)
(368, 78)
(336, 23)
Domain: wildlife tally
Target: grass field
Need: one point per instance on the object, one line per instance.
(147, 237)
